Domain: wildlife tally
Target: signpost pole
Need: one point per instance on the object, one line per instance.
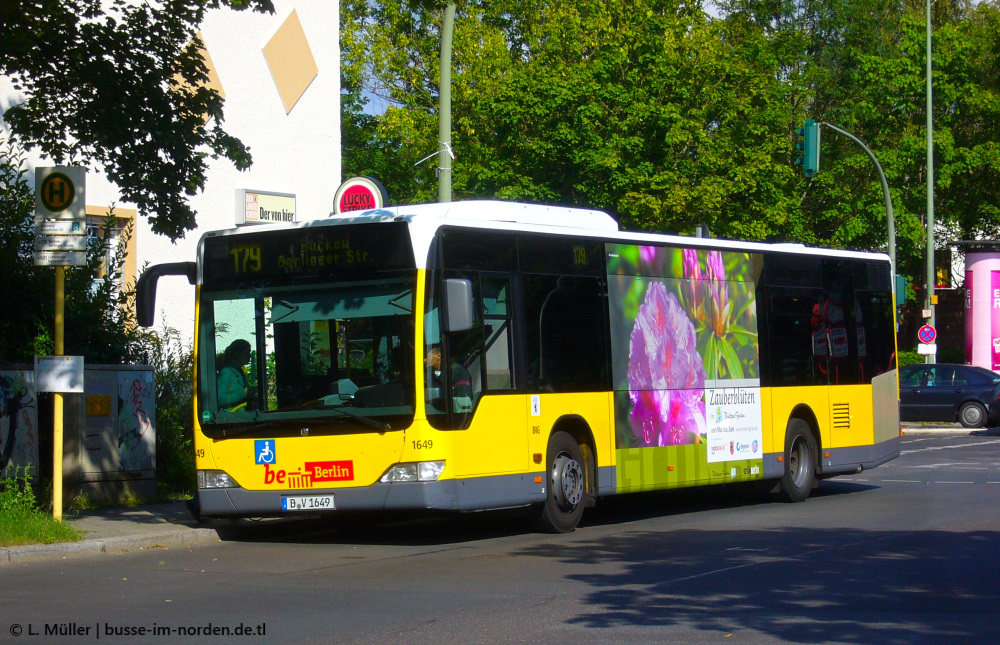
(57, 409)
(60, 221)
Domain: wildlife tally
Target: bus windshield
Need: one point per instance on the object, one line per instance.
(306, 355)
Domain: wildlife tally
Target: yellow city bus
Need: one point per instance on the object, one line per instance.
(482, 355)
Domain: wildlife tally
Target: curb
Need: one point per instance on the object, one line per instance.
(956, 429)
(125, 544)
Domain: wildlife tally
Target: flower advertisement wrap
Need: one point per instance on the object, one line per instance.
(685, 366)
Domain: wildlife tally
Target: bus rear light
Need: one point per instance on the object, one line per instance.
(215, 479)
(422, 471)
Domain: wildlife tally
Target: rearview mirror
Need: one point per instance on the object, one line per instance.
(459, 313)
(145, 288)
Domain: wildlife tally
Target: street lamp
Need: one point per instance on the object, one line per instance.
(445, 155)
(931, 358)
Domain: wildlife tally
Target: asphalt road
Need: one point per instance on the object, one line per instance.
(905, 553)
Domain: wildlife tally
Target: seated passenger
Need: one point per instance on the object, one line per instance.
(233, 388)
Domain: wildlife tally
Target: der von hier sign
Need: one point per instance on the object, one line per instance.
(259, 207)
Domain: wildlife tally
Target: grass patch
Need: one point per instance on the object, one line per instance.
(36, 527)
(22, 521)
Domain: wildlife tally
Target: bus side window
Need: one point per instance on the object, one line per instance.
(801, 355)
(568, 353)
(497, 338)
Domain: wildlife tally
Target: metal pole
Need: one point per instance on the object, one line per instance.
(444, 107)
(931, 278)
(885, 194)
(57, 407)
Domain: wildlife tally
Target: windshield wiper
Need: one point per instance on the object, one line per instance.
(248, 427)
(256, 424)
(368, 421)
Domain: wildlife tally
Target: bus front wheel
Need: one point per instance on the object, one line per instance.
(566, 483)
(800, 462)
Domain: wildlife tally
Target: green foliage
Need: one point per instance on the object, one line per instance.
(943, 356)
(668, 118)
(99, 321)
(174, 368)
(74, 59)
(16, 494)
(21, 336)
(100, 324)
(21, 521)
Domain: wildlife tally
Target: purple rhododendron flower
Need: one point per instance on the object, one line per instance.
(666, 375)
(647, 254)
(718, 294)
(716, 269)
(692, 271)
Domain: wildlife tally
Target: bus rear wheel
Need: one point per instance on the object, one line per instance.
(800, 462)
(567, 485)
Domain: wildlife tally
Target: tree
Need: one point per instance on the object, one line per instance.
(667, 118)
(647, 109)
(868, 76)
(99, 322)
(121, 85)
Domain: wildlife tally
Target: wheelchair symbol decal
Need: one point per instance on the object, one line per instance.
(263, 451)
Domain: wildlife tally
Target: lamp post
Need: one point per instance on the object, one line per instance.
(444, 106)
(890, 220)
(931, 358)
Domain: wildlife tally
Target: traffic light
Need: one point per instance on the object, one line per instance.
(901, 284)
(807, 145)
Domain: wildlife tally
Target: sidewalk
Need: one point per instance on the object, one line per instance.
(120, 530)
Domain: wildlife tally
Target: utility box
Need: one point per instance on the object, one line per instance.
(18, 421)
(109, 435)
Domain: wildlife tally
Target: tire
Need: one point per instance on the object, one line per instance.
(566, 486)
(972, 415)
(800, 462)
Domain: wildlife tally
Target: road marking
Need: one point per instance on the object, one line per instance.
(903, 481)
(953, 482)
(968, 465)
(963, 445)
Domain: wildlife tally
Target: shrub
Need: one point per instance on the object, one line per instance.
(173, 362)
(16, 494)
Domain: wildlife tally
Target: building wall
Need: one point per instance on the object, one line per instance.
(284, 104)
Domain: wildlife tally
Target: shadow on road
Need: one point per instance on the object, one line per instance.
(422, 528)
(797, 585)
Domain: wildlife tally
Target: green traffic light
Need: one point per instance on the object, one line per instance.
(808, 145)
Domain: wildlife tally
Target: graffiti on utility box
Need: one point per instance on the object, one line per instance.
(18, 421)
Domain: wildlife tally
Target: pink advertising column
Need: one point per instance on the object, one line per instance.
(982, 309)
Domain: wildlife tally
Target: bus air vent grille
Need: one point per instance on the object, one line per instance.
(841, 415)
(879, 277)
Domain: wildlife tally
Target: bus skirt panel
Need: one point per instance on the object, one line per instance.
(474, 493)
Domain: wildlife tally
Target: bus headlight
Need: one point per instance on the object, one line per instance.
(215, 479)
(423, 471)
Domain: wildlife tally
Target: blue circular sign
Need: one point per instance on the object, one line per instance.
(927, 334)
